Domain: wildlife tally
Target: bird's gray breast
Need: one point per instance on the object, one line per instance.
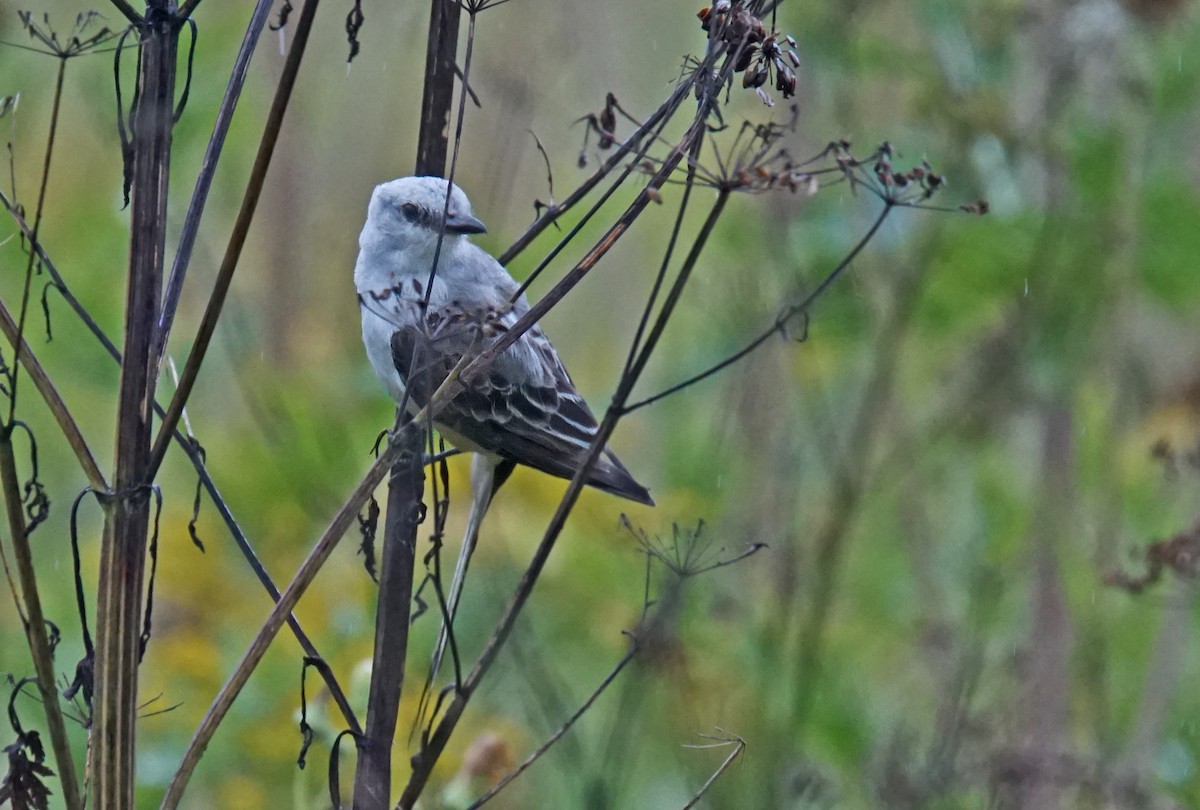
(384, 312)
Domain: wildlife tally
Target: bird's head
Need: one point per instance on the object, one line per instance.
(409, 211)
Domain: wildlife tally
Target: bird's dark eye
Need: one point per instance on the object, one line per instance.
(411, 211)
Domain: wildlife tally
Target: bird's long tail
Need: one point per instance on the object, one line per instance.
(486, 478)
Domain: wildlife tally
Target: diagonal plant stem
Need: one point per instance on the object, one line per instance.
(55, 106)
(527, 763)
(127, 10)
(424, 760)
(243, 543)
(410, 435)
(633, 143)
(35, 627)
(237, 239)
(781, 320)
(208, 168)
(575, 230)
(739, 745)
(53, 401)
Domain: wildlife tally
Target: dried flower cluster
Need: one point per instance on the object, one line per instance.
(84, 36)
(761, 58)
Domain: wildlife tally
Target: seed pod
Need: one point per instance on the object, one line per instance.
(743, 60)
(785, 82)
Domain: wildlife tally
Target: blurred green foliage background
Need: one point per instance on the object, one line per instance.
(947, 472)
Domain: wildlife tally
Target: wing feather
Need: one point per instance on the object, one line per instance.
(524, 409)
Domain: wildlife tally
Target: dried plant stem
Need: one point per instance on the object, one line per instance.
(300, 582)
(127, 511)
(35, 628)
(126, 9)
(631, 144)
(424, 760)
(208, 168)
(739, 745)
(372, 782)
(38, 210)
(266, 634)
(525, 765)
(53, 401)
(441, 49)
(237, 239)
(71, 431)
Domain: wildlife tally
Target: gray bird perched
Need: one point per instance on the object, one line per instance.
(523, 409)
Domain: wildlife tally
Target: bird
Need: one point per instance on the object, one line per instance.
(523, 409)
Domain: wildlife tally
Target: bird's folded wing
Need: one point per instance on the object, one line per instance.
(524, 407)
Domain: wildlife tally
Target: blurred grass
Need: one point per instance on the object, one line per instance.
(1075, 297)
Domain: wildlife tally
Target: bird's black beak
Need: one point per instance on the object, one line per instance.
(463, 223)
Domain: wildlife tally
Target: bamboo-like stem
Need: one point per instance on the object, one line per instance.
(35, 630)
(127, 511)
(237, 239)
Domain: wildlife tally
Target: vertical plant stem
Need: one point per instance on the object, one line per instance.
(433, 140)
(35, 630)
(127, 510)
(373, 779)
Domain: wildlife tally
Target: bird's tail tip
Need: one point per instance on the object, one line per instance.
(612, 477)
